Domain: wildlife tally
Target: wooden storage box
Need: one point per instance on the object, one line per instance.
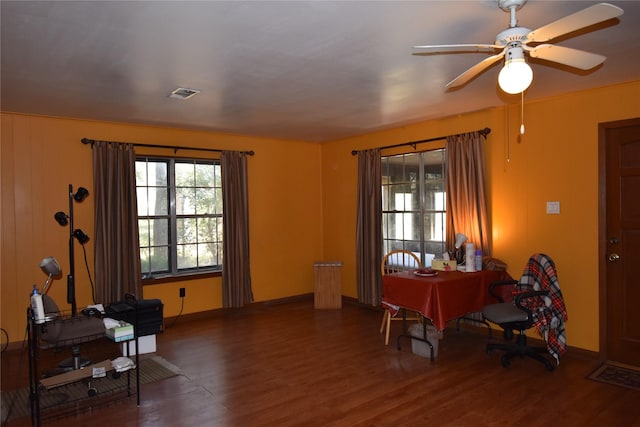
(327, 285)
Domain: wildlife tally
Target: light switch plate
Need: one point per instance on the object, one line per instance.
(553, 208)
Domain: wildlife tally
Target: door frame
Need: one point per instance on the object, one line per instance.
(602, 228)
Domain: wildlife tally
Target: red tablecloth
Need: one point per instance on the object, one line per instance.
(449, 295)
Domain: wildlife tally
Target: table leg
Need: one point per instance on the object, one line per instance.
(483, 321)
(423, 338)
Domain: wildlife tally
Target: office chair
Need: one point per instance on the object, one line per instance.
(395, 261)
(59, 332)
(70, 332)
(536, 302)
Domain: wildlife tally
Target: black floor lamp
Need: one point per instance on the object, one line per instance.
(64, 219)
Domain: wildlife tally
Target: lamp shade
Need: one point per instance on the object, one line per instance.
(81, 194)
(62, 218)
(460, 239)
(79, 234)
(50, 266)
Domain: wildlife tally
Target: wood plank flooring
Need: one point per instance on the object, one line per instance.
(287, 364)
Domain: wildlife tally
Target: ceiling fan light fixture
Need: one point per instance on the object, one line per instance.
(515, 76)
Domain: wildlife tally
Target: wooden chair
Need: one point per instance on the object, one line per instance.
(395, 261)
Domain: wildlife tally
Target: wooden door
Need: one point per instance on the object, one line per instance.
(620, 250)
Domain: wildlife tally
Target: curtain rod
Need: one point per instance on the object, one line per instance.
(175, 148)
(484, 132)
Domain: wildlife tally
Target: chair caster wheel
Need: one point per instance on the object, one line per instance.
(115, 375)
(92, 391)
(505, 361)
(549, 366)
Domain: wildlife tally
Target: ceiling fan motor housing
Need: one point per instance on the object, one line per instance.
(512, 35)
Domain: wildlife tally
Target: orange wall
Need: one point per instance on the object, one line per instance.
(556, 160)
(314, 219)
(41, 156)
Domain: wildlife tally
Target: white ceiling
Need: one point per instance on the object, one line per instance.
(302, 70)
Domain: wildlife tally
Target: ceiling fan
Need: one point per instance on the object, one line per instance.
(514, 42)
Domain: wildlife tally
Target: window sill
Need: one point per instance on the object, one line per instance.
(158, 280)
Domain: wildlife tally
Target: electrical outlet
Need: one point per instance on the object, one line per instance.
(553, 208)
(182, 292)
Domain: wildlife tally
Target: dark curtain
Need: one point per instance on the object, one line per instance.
(369, 228)
(117, 248)
(466, 196)
(236, 274)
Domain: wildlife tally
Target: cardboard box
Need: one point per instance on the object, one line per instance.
(443, 265)
(147, 345)
(75, 375)
(421, 348)
(122, 332)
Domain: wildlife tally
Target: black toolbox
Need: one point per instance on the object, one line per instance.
(150, 317)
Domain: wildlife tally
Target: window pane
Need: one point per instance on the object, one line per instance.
(154, 260)
(185, 175)
(206, 230)
(217, 181)
(205, 201)
(159, 232)
(434, 197)
(151, 173)
(187, 256)
(434, 164)
(186, 230)
(217, 197)
(158, 173)
(143, 201)
(434, 227)
(141, 173)
(185, 201)
(406, 226)
(401, 226)
(159, 259)
(152, 201)
(205, 255)
(145, 266)
(143, 232)
(403, 197)
(205, 175)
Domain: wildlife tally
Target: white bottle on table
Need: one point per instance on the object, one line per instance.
(37, 307)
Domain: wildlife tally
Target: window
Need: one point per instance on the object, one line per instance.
(414, 213)
(179, 215)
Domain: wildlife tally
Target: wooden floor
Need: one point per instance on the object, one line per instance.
(290, 365)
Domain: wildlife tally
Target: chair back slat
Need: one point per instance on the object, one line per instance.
(400, 260)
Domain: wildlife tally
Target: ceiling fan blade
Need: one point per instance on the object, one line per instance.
(446, 48)
(584, 18)
(567, 56)
(475, 70)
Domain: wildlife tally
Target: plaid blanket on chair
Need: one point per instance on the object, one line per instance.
(550, 314)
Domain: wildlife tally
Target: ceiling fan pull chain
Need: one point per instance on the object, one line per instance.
(522, 113)
(507, 115)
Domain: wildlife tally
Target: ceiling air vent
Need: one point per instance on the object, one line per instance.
(183, 93)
